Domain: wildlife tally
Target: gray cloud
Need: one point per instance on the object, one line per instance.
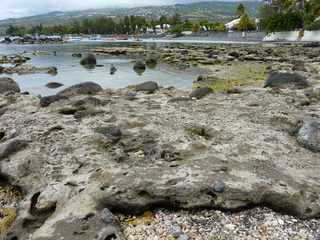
(20, 8)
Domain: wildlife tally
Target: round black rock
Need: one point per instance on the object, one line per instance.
(89, 60)
(54, 85)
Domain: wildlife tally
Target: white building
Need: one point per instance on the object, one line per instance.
(232, 25)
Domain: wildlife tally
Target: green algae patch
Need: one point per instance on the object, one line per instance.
(7, 218)
(197, 131)
(227, 77)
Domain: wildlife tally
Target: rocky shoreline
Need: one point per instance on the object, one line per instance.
(79, 164)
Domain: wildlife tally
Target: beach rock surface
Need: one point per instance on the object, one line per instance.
(218, 152)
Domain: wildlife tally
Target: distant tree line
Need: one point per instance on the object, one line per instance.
(126, 25)
(288, 15)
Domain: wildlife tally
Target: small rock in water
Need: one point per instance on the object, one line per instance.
(113, 69)
(89, 60)
(309, 135)
(139, 67)
(200, 92)
(219, 186)
(54, 85)
(78, 55)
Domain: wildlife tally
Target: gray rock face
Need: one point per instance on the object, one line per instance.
(286, 80)
(149, 87)
(12, 146)
(86, 88)
(8, 85)
(89, 60)
(46, 101)
(309, 135)
(200, 92)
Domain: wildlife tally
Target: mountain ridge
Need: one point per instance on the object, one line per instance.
(211, 10)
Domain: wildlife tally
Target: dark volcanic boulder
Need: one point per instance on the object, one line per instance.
(200, 92)
(1, 69)
(309, 135)
(149, 87)
(286, 80)
(139, 67)
(8, 85)
(54, 85)
(89, 60)
(86, 88)
(46, 101)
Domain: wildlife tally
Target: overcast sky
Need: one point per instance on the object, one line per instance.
(20, 8)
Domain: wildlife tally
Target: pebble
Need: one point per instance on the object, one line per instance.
(257, 223)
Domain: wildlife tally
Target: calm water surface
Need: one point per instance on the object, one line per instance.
(71, 72)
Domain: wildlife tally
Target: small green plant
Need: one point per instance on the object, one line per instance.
(198, 131)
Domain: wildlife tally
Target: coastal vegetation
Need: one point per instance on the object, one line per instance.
(126, 25)
(290, 15)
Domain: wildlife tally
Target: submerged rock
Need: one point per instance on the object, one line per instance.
(8, 85)
(113, 69)
(149, 87)
(309, 135)
(54, 85)
(77, 55)
(89, 60)
(86, 88)
(200, 92)
(286, 80)
(139, 67)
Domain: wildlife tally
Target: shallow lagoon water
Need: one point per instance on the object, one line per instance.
(70, 72)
